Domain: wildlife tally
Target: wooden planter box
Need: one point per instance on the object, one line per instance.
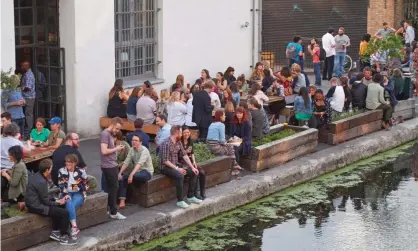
(405, 108)
(352, 127)
(280, 151)
(30, 229)
(161, 189)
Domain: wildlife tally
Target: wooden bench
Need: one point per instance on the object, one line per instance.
(405, 109)
(161, 189)
(24, 231)
(351, 127)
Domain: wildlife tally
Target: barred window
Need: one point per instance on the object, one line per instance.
(135, 39)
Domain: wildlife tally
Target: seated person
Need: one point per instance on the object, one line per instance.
(398, 84)
(336, 96)
(187, 143)
(257, 118)
(117, 98)
(136, 168)
(131, 104)
(171, 151)
(6, 119)
(56, 136)
(138, 123)
(303, 107)
(39, 134)
(216, 138)
(389, 90)
(153, 94)
(16, 178)
(321, 110)
(9, 139)
(241, 128)
(176, 109)
(299, 79)
(72, 182)
(146, 108)
(375, 99)
(229, 114)
(359, 92)
(37, 201)
(164, 132)
(347, 94)
(367, 71)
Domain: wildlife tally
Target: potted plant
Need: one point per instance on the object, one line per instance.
(10, 85)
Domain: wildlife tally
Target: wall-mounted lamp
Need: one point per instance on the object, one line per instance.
(245, 25)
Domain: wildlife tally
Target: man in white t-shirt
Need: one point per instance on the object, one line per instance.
(328, 44)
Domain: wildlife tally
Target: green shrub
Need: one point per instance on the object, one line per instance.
(273, 137)
(345, 115)
(11, 211)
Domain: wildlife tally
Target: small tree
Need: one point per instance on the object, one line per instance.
(392, 46)
(9, 81)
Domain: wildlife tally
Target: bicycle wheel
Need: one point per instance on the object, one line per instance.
(348, 63)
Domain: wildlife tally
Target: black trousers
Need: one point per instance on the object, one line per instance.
(4, 188)
(60, 219)
(328, 68)
(201, 183)
(179, 180)
(112, 183)
(203, 132)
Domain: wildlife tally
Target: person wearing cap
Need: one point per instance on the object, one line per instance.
(56, 136)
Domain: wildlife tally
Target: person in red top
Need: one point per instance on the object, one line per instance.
(315, 51)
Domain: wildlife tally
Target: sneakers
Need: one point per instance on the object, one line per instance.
(67, 241)
(194, 200)
(55, 235)
(117, 216)
(74, 231)
(182, 204)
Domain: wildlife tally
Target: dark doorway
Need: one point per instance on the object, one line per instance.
(37, 41)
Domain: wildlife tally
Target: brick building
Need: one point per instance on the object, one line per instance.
(379, 11)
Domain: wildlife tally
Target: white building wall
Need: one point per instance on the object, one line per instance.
(88, 39)
(7, 38)
(205, 34)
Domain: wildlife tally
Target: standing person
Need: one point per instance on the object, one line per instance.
(342, 41)
(109, 164)
(336, 96)
(56, 136)
(385, 31)
(37, 201)
(315, 52)
(72, 182)
(164, 132)
(138, 124)
(171, 151)
(29, 93)
(202, 109)
(364, 57)
(367, 71)
(70, 146)
(137, 168)
(146, 108)
(328, 44)
(117, 98)
(189, 113)
(229, 75)
(409, 33)
(176, 109)
(294, 51)
(14, 104)
(376, 100)
(187, 144)
(131, 105)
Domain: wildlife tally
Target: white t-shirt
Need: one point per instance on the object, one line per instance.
(6, 143)
(215, 98)
(176, 113)
(328, 41)
(189, 113)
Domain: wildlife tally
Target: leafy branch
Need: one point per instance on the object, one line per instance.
(9, 81)
(391, 46)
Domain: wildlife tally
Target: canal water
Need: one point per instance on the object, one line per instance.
(371, 205)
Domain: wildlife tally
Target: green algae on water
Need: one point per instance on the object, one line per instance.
(221, 232)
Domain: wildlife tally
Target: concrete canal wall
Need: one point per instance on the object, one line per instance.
(156, 221)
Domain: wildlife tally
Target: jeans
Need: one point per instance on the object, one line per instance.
(301, 63)
(339, 64)
(317, 71)
(77, 200)
(179, 180)
(60, 219)
(21, 124)
(111, 179)
(30, 104)
(139, 177)
(328, 68)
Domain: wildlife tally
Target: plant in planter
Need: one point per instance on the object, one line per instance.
(273, 137)
(345, 115)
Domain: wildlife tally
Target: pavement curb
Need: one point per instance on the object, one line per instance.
(147, 224)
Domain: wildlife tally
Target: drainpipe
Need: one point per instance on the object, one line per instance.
(260, 20)
(253, 35)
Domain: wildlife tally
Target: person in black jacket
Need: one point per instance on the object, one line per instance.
(37, 201)
(202, 109)
(359, 92)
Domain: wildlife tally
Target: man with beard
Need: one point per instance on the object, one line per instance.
(342, 41)
(70, 146)
(109, 164)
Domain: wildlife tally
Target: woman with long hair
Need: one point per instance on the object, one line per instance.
(117, 98)
(262, 99)
(162, 103)
(229, 114)
(187, 142)
(321, 110)
(299, 79)
(226, 97)
(176, 109)
(241, 128)
(204, 75)
(229, 75)
(242, 84)
(235, 93)
(131, 106)
(222, 84)
(303, 106)
(216, 140)
(257, 118)
(258, 73)
(267, 80)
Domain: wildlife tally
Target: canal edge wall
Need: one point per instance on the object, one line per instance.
(166, 218)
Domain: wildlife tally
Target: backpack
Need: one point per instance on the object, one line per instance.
(322, 54)
(291, 51)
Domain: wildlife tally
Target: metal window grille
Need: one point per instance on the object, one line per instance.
(135, 39)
